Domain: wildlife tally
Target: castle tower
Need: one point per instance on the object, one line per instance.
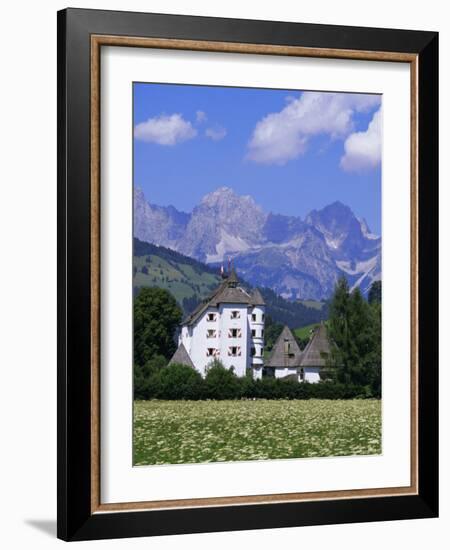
(228, 326)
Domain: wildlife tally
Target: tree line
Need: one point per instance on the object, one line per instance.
(156, 380)
(354, 328)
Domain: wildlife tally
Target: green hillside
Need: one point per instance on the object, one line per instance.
(191, 281)
(304, 333)
(188, 280)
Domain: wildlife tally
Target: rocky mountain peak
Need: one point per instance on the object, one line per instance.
(218, 194)
(296, 258)
(224, 199)
(333, 218)
(344, 233)
(223, 223)
(157, 224)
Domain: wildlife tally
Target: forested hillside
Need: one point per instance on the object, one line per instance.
(190, 281)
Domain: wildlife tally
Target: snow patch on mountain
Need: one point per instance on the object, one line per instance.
(354, 268)
(298, 259)
(366, 231)
(228, 244)
(332, 243)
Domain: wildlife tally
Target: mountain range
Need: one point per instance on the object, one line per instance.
(297, 258)
(190, 282)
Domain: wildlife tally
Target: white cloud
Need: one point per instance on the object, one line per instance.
(200, 116)
(217, 133)
(165, 130)
(363, 149)
(283, 136)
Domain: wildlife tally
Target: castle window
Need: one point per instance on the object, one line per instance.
(211, 317)
(211, 352)
(253, 352)
(262, 333)
(234, 351)
(253, 333)
(234, 333)
(210, 333)
(262, 317)
(302, 374)
(287, 349)
(253, 317)
(235, 314)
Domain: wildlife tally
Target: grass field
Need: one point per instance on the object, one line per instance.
(305, 332)
(176, 432)
(182, 280)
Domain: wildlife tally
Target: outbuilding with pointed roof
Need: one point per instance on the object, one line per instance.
(181, 356)
(286, 358)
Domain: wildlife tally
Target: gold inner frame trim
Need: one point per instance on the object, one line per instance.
(97, 41)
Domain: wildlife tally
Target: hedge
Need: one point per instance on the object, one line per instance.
(177, 381)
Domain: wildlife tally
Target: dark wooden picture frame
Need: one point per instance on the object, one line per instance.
(81, 34)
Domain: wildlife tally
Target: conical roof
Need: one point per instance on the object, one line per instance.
(181, 356)
(318, 348)
(257, 299)
(286, 351)
(232, 279)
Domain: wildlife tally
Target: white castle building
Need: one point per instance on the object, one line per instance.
(228, 326)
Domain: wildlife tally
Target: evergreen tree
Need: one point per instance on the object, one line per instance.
(272, 330)
(375, 293)
(355, 328)
(338, 329)
(360, 343)
(375, 296)
(374, 359)
(156, 317)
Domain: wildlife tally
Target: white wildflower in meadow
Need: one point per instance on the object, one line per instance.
(176, 432)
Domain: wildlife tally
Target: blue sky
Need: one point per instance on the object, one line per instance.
(292, 151)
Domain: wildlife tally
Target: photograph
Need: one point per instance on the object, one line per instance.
(247, 293)
(257, 274)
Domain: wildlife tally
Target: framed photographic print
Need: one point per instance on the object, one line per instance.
(247, 249)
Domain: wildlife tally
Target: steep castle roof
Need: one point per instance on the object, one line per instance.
(286, 352)
(232, 279)
(257, 299)
(317, 349)
(181, 356)
(228, 292)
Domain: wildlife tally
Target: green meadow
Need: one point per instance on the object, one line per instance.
(177, 432)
